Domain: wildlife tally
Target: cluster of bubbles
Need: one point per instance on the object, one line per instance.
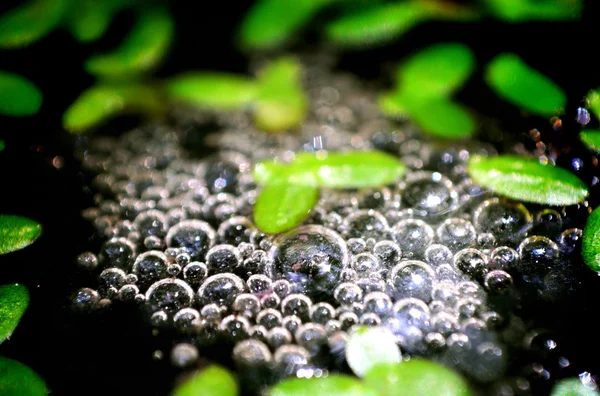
(426, 258)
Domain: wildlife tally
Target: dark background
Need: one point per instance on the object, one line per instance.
(111, 353)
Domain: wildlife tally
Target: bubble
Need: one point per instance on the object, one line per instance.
(347, 293)
(87, 261)
(278, 336)
(221, 289)
(504, 258)
(378, 303)
(498, 281)
(321, 313)
(150, 267)
(312, 337)
(507, 221)
(111, 280)
(310, 257)
(269, 318)
(117, 252)
(356, 245)
(258, 333)
(259, 284)
(538, 255)
(412, 278)
(159, 319)
(436, 255)
(223, 258)
(251, 353)
(413, 236)
(195, 236)
(85, 299)
(444, 323)
(430, 192)
(235, 327)
(456, 234)
(471, 262)
(370, 319)
(170, 295)
(222, 171)
(186, 319)
(211, 312)
(296, 304)
(290, 358)
(195, 272)
(151, 223)
(247, 305)
(445, 292)
(281, 287)
(347, 320)
(388, 253)
(468, 307)
(153, 243)
(184, 355)
(270, 300)
(570, 240)
(435, 341)
(365, 263)
(366, 224)
(235, 230)
(412, 312)
(128, 293)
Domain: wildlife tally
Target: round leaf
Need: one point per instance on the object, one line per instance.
(14, 300)
(212, 381)
(437, 70)
(270, 23)
(212, 90)
(527, 180)
(30, 22)
(18, 96)
(591, 138)
(369, 346)
(334, 385)
(88, 20)
(516, 11)
(516, 82)
(145, 46)
(416, 377)
(101, 102)
(281, 206)
(572, 387)
(593, 100)
(16, 379)
(17, 232)
(590, 247)
(442, 118)
(379, 24)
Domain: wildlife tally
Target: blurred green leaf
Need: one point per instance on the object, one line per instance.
(18, 96)
(516, 82)
(282, 205)
(572, 387)
(369, 346)
(590, 244)
(16, 379)
(2, 145)
(102, 102)
(591, 138)
(593, 102)
(442, 118)
(211, 90)
(141, 51)
(281, 101)
(212, 381)
(30, 22)
(527, 180)
(270, 23)
(416, 377)
(333, 385)
(265, 171)
(437, 70)
(17, 232)
(88, 20)
(527, 10)
(14, 300)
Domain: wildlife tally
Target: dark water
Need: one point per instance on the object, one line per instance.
(111, 353)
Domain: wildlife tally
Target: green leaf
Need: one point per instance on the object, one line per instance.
(527, 180)
(369, 346)
(281, 101)
(30, 22)
(377, 25)
(17, 232)
(14, 300)
(523, 86)
(143, 49)
(211, 90)
(436, 71)
(18, 96)
(2, 145)
(212, 381)
(281, 206)
(590, 245)
(416, 377)
(516, 11)
(593, 102)
(16, 379)
(572, 387)
(441, 118)
(271, 23)
(591, 138)
(333, 385)
(102, 102)
(265, 171)
(88, 20)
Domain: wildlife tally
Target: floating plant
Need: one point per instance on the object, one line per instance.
(17, 379)
(591, 241)
(212, 381)
(591, 138)
(13, 303)
(17, 232)
(18, 96)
